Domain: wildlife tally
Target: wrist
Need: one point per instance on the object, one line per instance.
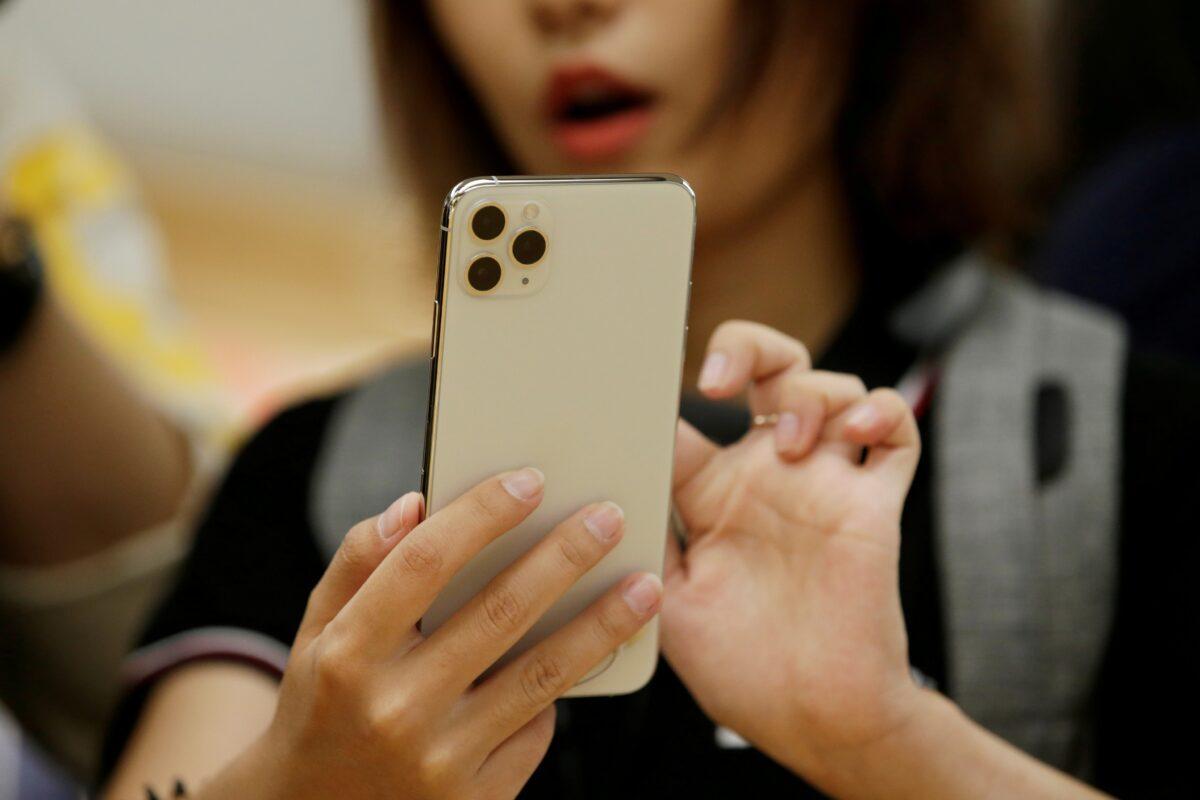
(926, 754)
(253, 775)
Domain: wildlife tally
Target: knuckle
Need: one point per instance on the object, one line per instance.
(803, 356)
(436, 767)
(403, 712)
(731, 327)
(354, 554)
(313, 602)
(573, 556)
(610, 626)
(502, 611)
(890, 397)
(796, 385)
(486, 508)
(839, 384)
(395, 719)
(420, 557)
(334, 665)
(543, 679)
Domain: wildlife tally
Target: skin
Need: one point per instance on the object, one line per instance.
(369, 707)
(47, 431)
(759, 207)
(791, 531)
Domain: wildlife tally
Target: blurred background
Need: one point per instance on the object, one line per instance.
(209, 183)
(250, 133)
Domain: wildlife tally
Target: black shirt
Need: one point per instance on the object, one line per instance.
(255, 559)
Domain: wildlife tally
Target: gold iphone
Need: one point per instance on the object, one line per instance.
(558, 339)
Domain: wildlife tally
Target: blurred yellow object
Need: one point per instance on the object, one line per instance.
(104, 263)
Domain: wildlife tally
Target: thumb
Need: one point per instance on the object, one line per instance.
(363, 549)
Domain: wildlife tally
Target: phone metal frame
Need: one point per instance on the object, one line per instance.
(450, 205)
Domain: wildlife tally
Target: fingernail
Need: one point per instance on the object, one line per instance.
(604, 521)
(412, 510)
(524, 484)
(642, 595)
(862, 417)
(712, 374)
(787, 431)
(400, 515)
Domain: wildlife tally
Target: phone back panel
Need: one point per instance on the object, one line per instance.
(576, 372)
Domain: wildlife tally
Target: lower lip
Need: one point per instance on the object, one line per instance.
(606, 138)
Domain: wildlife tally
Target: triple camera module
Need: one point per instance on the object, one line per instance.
(527, 247)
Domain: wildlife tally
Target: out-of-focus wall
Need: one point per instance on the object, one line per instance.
(280, 83)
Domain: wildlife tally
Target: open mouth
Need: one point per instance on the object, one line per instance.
(594, 115)
(598, 101)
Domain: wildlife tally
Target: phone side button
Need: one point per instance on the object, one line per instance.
(437, 310)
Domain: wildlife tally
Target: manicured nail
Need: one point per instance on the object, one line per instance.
(787, 431)
(524, 484)
(604, 521)
(862, 417)
(712, 374)
(642, 595)
(402, 515)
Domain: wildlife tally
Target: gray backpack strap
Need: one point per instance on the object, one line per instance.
(372, 451)
(1028, 571)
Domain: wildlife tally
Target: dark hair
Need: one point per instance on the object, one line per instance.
(937, 134)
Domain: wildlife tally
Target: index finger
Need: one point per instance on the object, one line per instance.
(363, 549)
(748, 354)
(384, 612)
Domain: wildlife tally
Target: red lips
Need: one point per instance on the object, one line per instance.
(595, 115)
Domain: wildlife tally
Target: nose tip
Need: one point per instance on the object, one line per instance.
(572, 16)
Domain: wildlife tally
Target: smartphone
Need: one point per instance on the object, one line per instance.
(558, 338)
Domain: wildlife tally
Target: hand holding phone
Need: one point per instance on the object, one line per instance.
(369, 708)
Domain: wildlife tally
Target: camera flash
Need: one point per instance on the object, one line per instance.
(530, 211)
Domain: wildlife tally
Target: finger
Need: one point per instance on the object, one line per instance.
(363, 549)
(742, 352)
(884, 423)
(381, 617)
(494, 620)
(692, 451)
(510, 765)
(517, 693)
(806, 402)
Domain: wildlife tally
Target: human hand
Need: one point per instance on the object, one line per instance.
(369, 707)
(783, 615)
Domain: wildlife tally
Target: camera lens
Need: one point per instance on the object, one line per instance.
(529, 247)
(483, 274)
(488, 223)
